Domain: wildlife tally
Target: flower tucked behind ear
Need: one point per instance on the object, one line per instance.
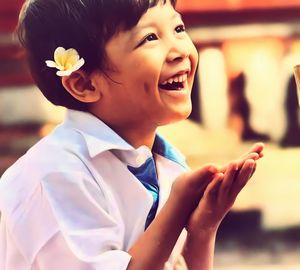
(66, 61)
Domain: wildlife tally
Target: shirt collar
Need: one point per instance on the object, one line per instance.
(99, 137)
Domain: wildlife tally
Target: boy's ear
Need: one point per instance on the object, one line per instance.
(82, 86)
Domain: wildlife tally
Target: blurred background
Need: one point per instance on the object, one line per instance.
(244, 92)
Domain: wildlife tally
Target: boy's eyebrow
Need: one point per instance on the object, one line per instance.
(138, 27)
(176, 15)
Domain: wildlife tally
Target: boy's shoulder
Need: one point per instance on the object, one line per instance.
(55, 151)
(53, 156)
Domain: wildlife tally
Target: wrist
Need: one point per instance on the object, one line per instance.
(201, 234)
(201, 226)
(198, 250)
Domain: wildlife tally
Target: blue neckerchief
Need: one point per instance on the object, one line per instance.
(148, 177)
(147, 174)
(163, 148)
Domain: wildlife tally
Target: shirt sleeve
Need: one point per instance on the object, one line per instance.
(90, 231)
(66, 259)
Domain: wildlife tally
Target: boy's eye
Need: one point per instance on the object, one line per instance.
(148, 38)
(180, 28)
(151, 37)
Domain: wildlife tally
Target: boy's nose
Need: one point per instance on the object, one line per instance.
(177, 53)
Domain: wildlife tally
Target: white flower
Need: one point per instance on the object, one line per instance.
(66, 61)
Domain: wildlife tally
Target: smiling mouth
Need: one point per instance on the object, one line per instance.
(174, 84)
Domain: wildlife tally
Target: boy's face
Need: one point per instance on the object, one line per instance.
(152, 71)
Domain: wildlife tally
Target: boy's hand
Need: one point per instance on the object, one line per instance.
(189, 188)
(255, 153)
(222, 191)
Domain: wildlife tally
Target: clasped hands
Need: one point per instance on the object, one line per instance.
(208, 193)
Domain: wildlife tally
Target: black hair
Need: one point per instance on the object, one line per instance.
(85, 25)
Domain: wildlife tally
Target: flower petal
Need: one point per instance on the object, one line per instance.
(72, 59)
(78, 65)
(72, 56)
(59, 56)
(71, 51)
(63, 73)
(51, 64)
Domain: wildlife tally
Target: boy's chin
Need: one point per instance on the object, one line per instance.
(177, 116)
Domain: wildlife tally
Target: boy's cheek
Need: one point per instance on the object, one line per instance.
(194, 54)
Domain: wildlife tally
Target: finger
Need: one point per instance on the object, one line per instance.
(212, 189)
(244, 175)
(257, 148)
(202, 176)
(255, 153)
(253, 171)
(229, 178)
(240, 162)
(250, 155)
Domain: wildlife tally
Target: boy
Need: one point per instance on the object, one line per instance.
(99, 191)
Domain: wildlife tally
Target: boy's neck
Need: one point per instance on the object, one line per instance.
(135, 133)
(137, 138)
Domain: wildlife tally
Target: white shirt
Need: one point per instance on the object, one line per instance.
(71, 203)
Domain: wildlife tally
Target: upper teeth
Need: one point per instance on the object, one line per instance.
(179, 78)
